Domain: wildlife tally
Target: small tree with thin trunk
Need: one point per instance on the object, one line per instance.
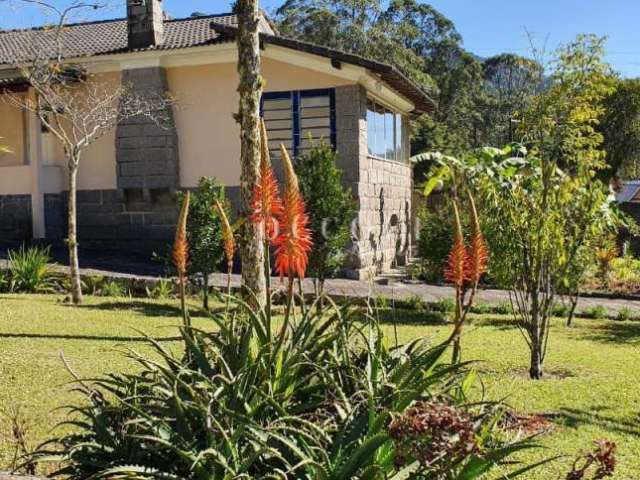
(250, 89)
(77, 107)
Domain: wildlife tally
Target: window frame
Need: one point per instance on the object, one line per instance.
(377, 109)
(296, 97)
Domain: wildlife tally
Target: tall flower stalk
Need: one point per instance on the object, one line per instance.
(229, 242)
(465, 267)
(181, 256)
(266, 210)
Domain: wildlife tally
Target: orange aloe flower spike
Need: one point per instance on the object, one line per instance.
(266, 205)
(293, 243)
(458, 257)
(180, 244)
(478, 257)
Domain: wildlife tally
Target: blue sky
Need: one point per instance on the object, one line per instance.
(487, 26)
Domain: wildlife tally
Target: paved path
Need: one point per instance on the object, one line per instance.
(361, 289)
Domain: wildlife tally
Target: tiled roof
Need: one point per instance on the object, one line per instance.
(109, 36)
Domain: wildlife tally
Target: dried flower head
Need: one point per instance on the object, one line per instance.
(435, 434)
(601, 462)
(293, 242)
(180, 244)
(266, 204)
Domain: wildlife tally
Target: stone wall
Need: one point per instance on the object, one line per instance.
(147, 149)
(382, 190)
(107, 216)
(15, 218)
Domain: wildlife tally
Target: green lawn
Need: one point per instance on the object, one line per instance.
(592, 391)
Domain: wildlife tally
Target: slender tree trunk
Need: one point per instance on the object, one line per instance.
(250, 90)
(72, 235)
(535, 369)
(205, 291)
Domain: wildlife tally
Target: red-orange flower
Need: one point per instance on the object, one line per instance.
(478, 253)
(266, 204)
(180, 244)
(477, 259)
(293, 242)
(456, 271)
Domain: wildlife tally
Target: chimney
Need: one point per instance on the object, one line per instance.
(145, 20)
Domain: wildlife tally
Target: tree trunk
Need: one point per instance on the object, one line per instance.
(535, 370)
(250, 90)
(72, 236)
(535, 332)
(205, 291)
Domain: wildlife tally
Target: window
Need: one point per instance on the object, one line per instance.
(13, 127)
(298, 119)
(384, 130)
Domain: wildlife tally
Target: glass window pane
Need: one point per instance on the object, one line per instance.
(400, 155)
(371, 129)
(381, 145)
(390, 146)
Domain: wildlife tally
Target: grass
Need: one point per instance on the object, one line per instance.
(591, 391)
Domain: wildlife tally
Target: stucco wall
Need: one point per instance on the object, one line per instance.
(207, 100)
(13, 135)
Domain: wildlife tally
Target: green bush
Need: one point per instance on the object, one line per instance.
(5, 282)
(330, 207)
(29, 270)
(204, 233)
(561, 309)
(161, 290)
(111, 288)
(444, 305)
(625, 314)
(435, 240)
(318, 401)
(596, 312)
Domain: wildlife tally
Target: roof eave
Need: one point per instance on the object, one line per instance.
(389, 74)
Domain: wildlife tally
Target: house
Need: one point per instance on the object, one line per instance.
(127, 178)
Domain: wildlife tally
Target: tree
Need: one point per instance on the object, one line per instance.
(250, 89)
(205, 232)
(510, 82)
(620, 126)
(416, 38)
(330, 206)
(546, 200)
(76, 107)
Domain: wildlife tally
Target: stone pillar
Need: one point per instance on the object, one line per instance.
(34, 142)
(146, 152)
(382, 190)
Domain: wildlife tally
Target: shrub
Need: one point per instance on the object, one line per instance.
(29, 270)
(161, 290)
(234, 405)
(93, 284)
(625, 314)
(112, 288)
(444, 305)
(483, 308)
(503, 308)
(596, 312)
(331, 208)
(204, 232)
(435, 240)
(5, 282)
(560, 309)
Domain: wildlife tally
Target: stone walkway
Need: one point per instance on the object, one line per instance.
(395, 289)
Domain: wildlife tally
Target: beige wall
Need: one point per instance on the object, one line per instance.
(15, 180)
(98, 167)
(207, 100)
(13, 134)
